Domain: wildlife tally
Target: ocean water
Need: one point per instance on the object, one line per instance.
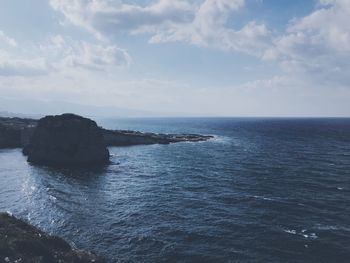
(263, 190)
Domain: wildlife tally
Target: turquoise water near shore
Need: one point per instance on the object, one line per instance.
(263, 190)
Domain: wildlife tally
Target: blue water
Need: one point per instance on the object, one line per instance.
(264, 190)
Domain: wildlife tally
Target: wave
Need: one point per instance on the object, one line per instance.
(304, 233)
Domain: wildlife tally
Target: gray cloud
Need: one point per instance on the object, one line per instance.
(107, 17)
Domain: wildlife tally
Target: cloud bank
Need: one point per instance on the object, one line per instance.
(311, 54)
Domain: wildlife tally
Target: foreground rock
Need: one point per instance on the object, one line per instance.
(21, 242)
(65, 140)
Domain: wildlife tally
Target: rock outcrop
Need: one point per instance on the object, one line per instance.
(9, 137)
(19, 131)
(67, 140)
(15, 132)
(128, 138)
(21, 242)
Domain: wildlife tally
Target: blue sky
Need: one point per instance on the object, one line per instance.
(177, 57)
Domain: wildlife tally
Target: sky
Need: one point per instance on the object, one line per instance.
(176, 57)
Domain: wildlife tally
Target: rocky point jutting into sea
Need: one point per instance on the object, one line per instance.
(64, 141)
(16, 132)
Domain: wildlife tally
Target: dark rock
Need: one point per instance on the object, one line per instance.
(15, 132)
(9, 137)
(18, 123)
(26, 135)
(127, 138)
(26, 128)
(65, 140)
(21, 242)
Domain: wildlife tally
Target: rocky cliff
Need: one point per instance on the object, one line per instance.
(67, 139)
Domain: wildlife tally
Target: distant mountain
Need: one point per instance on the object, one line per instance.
(20, 115)
(38, 108)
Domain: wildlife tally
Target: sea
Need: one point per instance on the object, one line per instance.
(262, 190)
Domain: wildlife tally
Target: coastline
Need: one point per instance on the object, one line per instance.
(16, 133)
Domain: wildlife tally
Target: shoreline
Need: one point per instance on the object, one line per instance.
(16, 133)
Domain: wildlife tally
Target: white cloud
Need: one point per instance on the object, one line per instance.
(202, 23)
(317, 46)
(209, 29)
(7, 40)
(81, 54)
(97, 56)
(13, 66)
(328, 25)
(62, 53)
(16, 65)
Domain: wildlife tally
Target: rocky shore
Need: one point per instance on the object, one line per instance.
(16, 132)
(128, 138)
(22, 242)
